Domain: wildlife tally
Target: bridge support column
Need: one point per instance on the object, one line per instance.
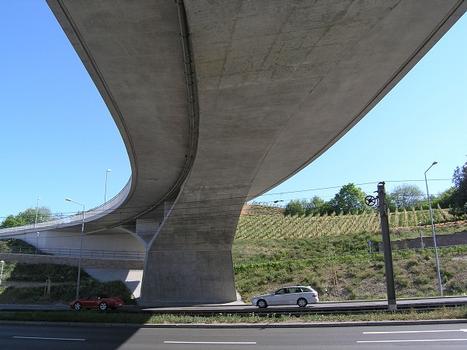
(188, 276)
(189, 261)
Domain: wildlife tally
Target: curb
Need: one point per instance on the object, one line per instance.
(239, 325)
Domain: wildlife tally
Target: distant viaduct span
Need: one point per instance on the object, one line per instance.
(219, 101)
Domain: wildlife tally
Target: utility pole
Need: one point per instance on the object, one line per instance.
(383, 214)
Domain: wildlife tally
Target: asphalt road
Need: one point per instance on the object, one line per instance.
(426, 337)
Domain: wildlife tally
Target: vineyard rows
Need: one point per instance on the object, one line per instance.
(275, 225)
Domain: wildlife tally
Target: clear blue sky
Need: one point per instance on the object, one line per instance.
(57, 137)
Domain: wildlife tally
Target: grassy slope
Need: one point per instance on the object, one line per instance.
(270, 251)
(141, 318)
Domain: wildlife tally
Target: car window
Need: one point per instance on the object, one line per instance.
(280, 291)
(306, 290)
(295, 290)
(286, 290)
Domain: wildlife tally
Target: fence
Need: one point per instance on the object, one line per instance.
(85, 253)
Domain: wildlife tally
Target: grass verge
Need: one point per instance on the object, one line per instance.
(147, 318)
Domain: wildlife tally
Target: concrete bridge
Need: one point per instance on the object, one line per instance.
(218, 102)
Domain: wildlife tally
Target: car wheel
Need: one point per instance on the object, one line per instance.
(301, 302)
(103, 306)
(261, 303)
(77, 306)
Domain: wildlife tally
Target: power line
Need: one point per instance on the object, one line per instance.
(179, 205)
(357, 184)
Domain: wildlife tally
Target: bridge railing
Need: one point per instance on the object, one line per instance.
(75, 252)
(109, 207)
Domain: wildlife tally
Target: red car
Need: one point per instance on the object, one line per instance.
(101, 303)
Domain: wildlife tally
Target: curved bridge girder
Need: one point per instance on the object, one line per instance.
(278, 82)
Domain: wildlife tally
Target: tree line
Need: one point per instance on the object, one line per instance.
(27, 217)
(351, 199)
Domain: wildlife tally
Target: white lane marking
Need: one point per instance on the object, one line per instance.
(410, 340)
(47, 338)
(420, 331)
(211, 342)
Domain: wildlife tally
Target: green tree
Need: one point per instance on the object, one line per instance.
(27, 217)
(295, 207)
(445, 199)
(314, 206)
(349, 199)
(460, 194)
(406, 196)
(10, 221)
(390, 202)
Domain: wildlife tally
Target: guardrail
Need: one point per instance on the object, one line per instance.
(349, 307)
(85, 253)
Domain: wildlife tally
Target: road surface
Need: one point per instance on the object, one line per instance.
(450, 337)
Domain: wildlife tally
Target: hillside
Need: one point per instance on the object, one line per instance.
(332, 254)
(271, 224)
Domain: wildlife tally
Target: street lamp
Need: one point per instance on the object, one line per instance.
(35, 223)
(105, 186)
(37, 212)
(1, 271)
(433, 233)
(37, 241)
(80, 245)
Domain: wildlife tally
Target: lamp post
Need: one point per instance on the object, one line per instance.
(105, 186)
(80, 245)
(37, 212)
(433, 233)
(35, 223)
(1, 271)
(37, 241)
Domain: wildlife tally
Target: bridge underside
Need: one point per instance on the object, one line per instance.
(218, 102)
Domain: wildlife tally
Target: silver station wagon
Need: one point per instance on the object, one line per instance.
(293, 295)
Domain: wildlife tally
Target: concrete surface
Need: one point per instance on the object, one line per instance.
(220, 105)
(444, 240)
